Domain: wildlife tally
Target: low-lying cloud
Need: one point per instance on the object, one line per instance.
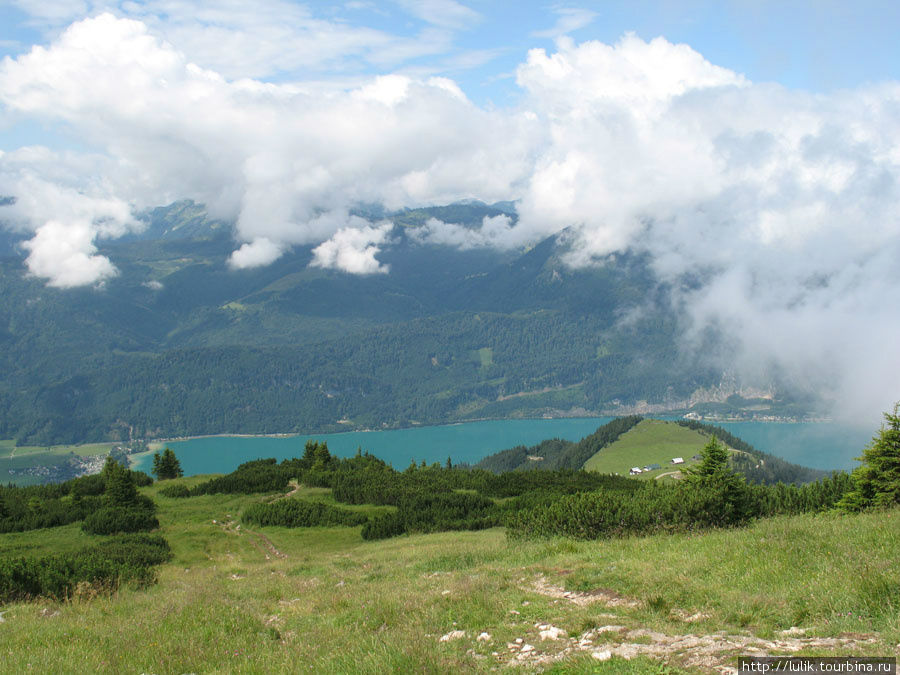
(785, 203)
(495, 232)
(353, 249)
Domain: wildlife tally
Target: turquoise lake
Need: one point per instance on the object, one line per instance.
(822, 445)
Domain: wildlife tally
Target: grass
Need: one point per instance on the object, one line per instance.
(338, 604)
(649, 442)
(484, 356)
(9, 449)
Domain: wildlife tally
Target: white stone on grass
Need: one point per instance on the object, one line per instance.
(453, 635)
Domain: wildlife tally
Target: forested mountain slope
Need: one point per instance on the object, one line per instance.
(178, 343)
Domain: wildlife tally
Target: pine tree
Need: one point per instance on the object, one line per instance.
(723, 493)
(120, 487)
(876, 484)
(166, 466)
(713, 463)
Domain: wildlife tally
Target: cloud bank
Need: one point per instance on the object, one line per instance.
(784, 204)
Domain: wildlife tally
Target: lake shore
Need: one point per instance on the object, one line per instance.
(820, 445)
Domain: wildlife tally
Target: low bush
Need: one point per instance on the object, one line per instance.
(35, 513)
(261, 475)
(104, 566)
(300, 513)
(118, 520)
(384, 527)
(427, 512)
(175, 491)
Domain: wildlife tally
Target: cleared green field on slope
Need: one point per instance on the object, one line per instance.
(17, 459)
(262, 600)
(8, 449)
(650, 442)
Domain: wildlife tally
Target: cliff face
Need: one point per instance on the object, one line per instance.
(728, 389)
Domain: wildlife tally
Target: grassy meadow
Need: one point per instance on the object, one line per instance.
(8, 449)
(649, 442)
(322, 600)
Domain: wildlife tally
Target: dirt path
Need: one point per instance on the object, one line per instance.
(668, 473)
(260, 541)
(295, 488)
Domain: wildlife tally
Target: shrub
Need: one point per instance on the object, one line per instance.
(114, 520)
(383, 527)
(261, 475)
(300, 513)
(141, 479)
(127, 558)
(177, 491)
(32, 515)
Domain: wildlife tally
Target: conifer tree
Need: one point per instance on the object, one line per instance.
(876, 484)
(713, 463)
(724, 494)
(166, 466)
(120, 487)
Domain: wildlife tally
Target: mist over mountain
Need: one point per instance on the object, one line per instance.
(182, 343)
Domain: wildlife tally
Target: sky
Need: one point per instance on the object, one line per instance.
(755, 142)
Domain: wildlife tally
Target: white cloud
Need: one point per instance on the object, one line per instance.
(279, 158)
(783, 203)
(353, 249)
(445, 13)
(269, 38)
(570, 19)
(497, 232)
(64, 254)
(53, 11)
(259, 252)
(63, 219)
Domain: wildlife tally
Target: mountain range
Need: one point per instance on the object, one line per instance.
(179, 343)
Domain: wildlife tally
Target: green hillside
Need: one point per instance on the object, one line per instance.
(252, 600)
(650, 442)
(636, 442)
(449, 335)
